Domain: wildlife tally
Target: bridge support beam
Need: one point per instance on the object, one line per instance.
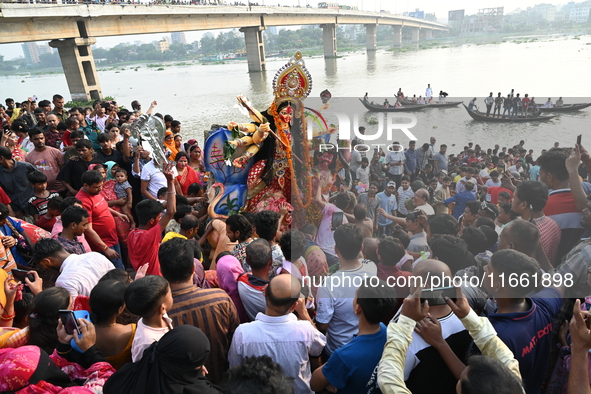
(255, 48)
(428, 34)
(329, 35)
(370, 33)
(415, 34)
(397, 35)
(78, 65)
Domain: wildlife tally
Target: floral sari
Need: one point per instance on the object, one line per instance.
(123, 227)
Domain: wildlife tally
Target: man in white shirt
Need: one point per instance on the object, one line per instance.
(420, 199)
(279, 334)
(153, 179)
(395, 161)
(79, 273)
(428, 93)
(335, 314)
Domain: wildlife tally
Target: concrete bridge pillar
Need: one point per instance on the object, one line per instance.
(255, 48)
(330, 40)
(78, 65)
(415, 34)
(370, 33)
(397, 35)
(428, 34)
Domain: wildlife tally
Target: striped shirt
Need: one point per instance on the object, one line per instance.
(213, 311)
(549, 237)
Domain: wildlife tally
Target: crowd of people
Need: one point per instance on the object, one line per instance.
(119, 277)
(513, 105)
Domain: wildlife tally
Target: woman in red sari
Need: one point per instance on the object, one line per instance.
(108, 192)
(187, 175)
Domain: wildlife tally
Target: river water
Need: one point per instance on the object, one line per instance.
(200, 95)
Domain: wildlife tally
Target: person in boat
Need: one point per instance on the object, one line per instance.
(548, 104)
(414, 98)
(386, 103)
(397, 105)
(400, 95)
(533, 107)
(365, 97)
(535, 110)
(472, 105)
(559, 102)
(442, 96)
(421, 100)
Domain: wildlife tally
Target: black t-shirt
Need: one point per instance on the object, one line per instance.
(115, 156)
(72, 171)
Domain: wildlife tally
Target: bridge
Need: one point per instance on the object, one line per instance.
(73, 28)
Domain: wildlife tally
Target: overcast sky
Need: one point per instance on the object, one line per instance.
(440, 8)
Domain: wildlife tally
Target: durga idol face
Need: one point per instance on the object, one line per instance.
(286, 114)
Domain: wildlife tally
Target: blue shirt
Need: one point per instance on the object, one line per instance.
(534, 172)
(529, 335)
(412, 161)
(352, 368)
(389, 205)
(7, 231)
(460, 199)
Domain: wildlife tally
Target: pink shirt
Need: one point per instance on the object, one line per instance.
(228, 270)
(58, 227)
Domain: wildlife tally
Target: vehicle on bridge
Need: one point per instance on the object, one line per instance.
(328, 5)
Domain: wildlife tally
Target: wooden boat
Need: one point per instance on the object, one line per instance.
(381, 108)
(480, 116)
(435, 104)
(565, 107)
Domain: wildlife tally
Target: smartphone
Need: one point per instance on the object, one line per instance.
(579, 139)
(69, 321)
(337, 220)
(437, 296)
(20, 275)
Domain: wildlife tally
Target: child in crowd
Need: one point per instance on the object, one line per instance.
(363, 172)
(41, 196)
(123, 190)
(504, 197)
(150, 298)
(404, 193)
(47, 220)
(72, 125)
(343, 370)
(494, 179)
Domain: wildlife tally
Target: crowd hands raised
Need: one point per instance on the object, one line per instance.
(183, 302)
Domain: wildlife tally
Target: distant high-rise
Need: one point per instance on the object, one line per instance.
(44, 48)
(31, 51)
(178, 38)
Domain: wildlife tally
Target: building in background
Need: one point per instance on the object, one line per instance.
(487, 20)
(178, 38)
(31, 51)
(162, 45)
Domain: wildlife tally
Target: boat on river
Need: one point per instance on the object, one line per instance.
(481, 116)
(380, 108)
(434, 104)
(564, 108)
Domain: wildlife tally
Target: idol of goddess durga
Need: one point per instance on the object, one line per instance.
(268, 140)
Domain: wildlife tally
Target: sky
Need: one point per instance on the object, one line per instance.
(440, 8)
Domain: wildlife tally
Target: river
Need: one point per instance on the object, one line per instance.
(200, 95)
